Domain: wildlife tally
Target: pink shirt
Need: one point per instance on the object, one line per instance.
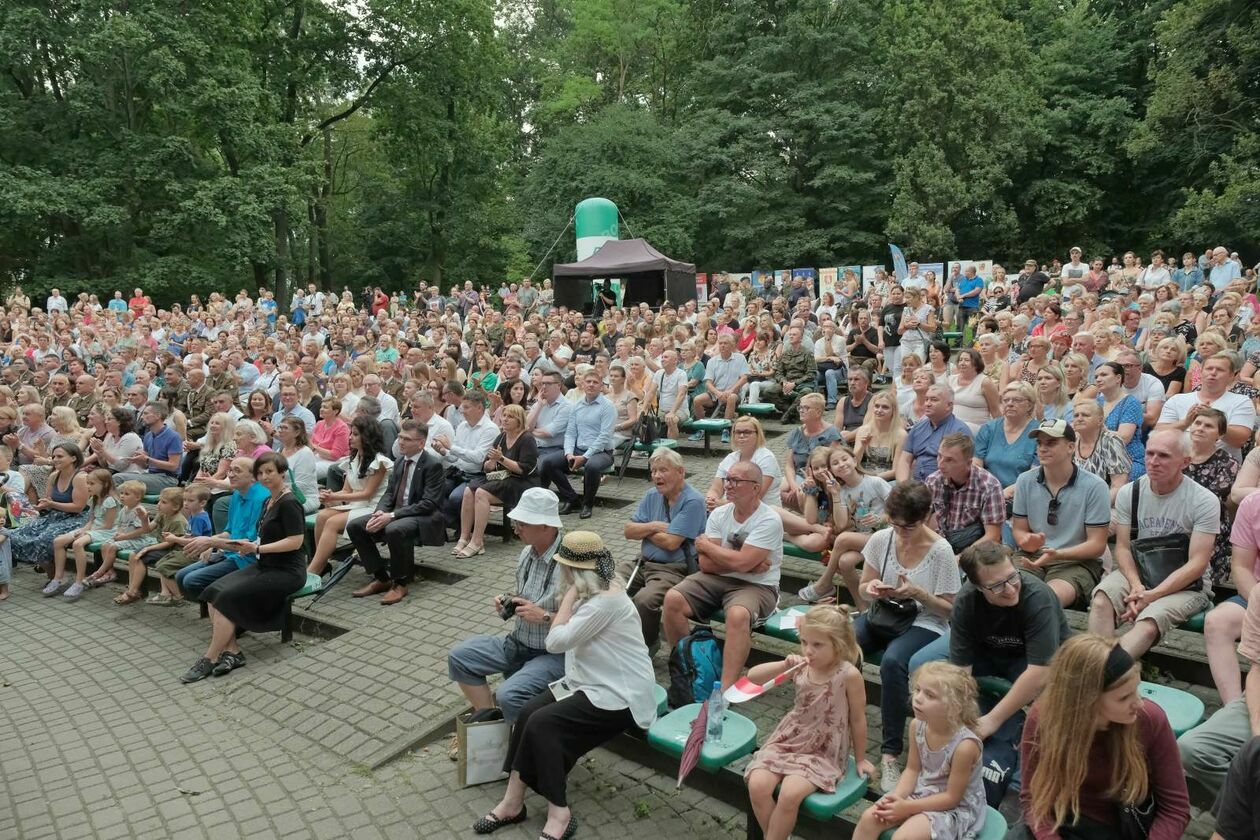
(1245, 532)
(1249, 647)
(334, 436)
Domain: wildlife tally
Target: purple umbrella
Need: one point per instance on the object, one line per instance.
(695, 740)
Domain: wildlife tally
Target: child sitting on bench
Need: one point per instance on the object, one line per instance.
(809, 749)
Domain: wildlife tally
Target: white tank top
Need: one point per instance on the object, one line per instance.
(970, 405)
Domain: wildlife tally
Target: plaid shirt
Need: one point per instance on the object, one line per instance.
(537, 581)
(957, 507)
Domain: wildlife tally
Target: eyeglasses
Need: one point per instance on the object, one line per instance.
(1011, 580)
(904, 526)
(744, 432)
(729, 480)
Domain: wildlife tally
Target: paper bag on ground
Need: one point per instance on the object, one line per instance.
(482, 750)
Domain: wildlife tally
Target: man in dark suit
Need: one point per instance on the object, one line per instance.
(409, 512)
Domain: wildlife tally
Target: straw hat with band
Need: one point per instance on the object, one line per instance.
(585, 550)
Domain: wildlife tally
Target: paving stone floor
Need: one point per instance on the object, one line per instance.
(317, 738)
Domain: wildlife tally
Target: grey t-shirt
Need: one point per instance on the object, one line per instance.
(1085, 501)
(1189, 509)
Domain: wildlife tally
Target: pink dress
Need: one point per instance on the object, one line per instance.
(812, 740)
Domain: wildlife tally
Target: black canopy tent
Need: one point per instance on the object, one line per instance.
(647, 275)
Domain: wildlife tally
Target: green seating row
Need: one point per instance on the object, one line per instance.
(793, 550)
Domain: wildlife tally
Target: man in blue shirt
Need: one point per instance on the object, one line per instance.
(918, 457)
(969, 288)
(289, 407)
(587, 447)
(1224, 270)
(667, 522)
(244, 511)
(163, 449)
(549, 419)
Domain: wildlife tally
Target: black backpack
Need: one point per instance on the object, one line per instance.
(695, 664)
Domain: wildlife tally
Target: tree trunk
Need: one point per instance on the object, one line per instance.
(321, 215)
(281, 289)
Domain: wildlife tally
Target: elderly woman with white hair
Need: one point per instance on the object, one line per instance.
(607, 687)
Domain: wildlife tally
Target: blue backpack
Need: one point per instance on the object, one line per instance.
(695, 664)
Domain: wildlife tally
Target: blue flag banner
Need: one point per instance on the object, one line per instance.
(899, 262)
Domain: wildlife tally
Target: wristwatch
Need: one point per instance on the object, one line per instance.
(546, 618)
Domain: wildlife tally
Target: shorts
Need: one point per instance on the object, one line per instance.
(1167, 613)
(707, 593)
(1083, 577)
(172, 562)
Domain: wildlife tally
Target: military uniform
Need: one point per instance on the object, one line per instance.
(197, 409)
(394, 387)
(82, 404)
(52, 401)
(222, 382)
(795, 365)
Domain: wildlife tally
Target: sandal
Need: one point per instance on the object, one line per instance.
(126, 598)
(490, 823)
(459, 546)
(471, 551)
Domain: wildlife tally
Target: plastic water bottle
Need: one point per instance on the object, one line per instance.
(717, 710)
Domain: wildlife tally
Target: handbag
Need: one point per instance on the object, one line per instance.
(960, 539)
(1157, 557)
(889, 618)
(1137, 818)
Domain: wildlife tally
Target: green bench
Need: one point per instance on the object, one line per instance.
(659, 443)
(662, 700)
(994, 827)
(824, 806)
(708, 426)
(1195, 622)
(739, 737)
(312, 586)
(953, 339)
(1184, 710)
(757, 409)
(793, 550)
(782, 623)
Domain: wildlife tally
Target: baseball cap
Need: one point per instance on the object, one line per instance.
(1054, 429)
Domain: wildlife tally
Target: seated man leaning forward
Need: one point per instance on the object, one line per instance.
(740, 554)
(521, 656)
(1169, 503)
(668, 521)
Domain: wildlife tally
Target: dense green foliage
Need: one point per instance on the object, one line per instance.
(239, 143)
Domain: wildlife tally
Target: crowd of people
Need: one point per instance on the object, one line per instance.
(969, 456)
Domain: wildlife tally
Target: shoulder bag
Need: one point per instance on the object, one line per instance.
(1156, 557)
(889, 618)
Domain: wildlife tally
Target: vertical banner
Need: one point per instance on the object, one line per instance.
(783, 278)
(938, 268)
(828, 279)
(899, 262)
(843, 277)
(761, 280)
(984, 269)
(702, 287)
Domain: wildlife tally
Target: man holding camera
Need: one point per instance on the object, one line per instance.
(521, 656)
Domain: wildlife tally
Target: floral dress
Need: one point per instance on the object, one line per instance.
(32, 541)
(812, 740)
(1108, 459)
(1217, 474)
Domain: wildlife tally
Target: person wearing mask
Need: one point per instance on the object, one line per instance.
(1093, 745)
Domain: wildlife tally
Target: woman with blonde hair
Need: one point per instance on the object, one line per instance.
(1093, 748)
(1208, 344)
(1025, 370)
(1052, 395)
(880, 437)
(1167, 364)
(913, 405)
(1099, 450)
(1076, 376)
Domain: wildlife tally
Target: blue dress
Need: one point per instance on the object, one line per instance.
(32, 542)
(1129, 410)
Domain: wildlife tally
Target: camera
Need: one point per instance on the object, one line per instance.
(508, 608)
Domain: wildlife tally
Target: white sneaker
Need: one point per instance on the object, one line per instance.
(53, 587)
(889, 774)
(74, 592)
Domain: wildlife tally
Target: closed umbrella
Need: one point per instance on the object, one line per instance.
(691, 749)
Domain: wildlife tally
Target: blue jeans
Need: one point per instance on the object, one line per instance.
(894, 673)
(528, 671)
(937, 651)
(192, 580)
(833, 377)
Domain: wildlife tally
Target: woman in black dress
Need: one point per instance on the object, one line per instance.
(253, 598)
(515, 452)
